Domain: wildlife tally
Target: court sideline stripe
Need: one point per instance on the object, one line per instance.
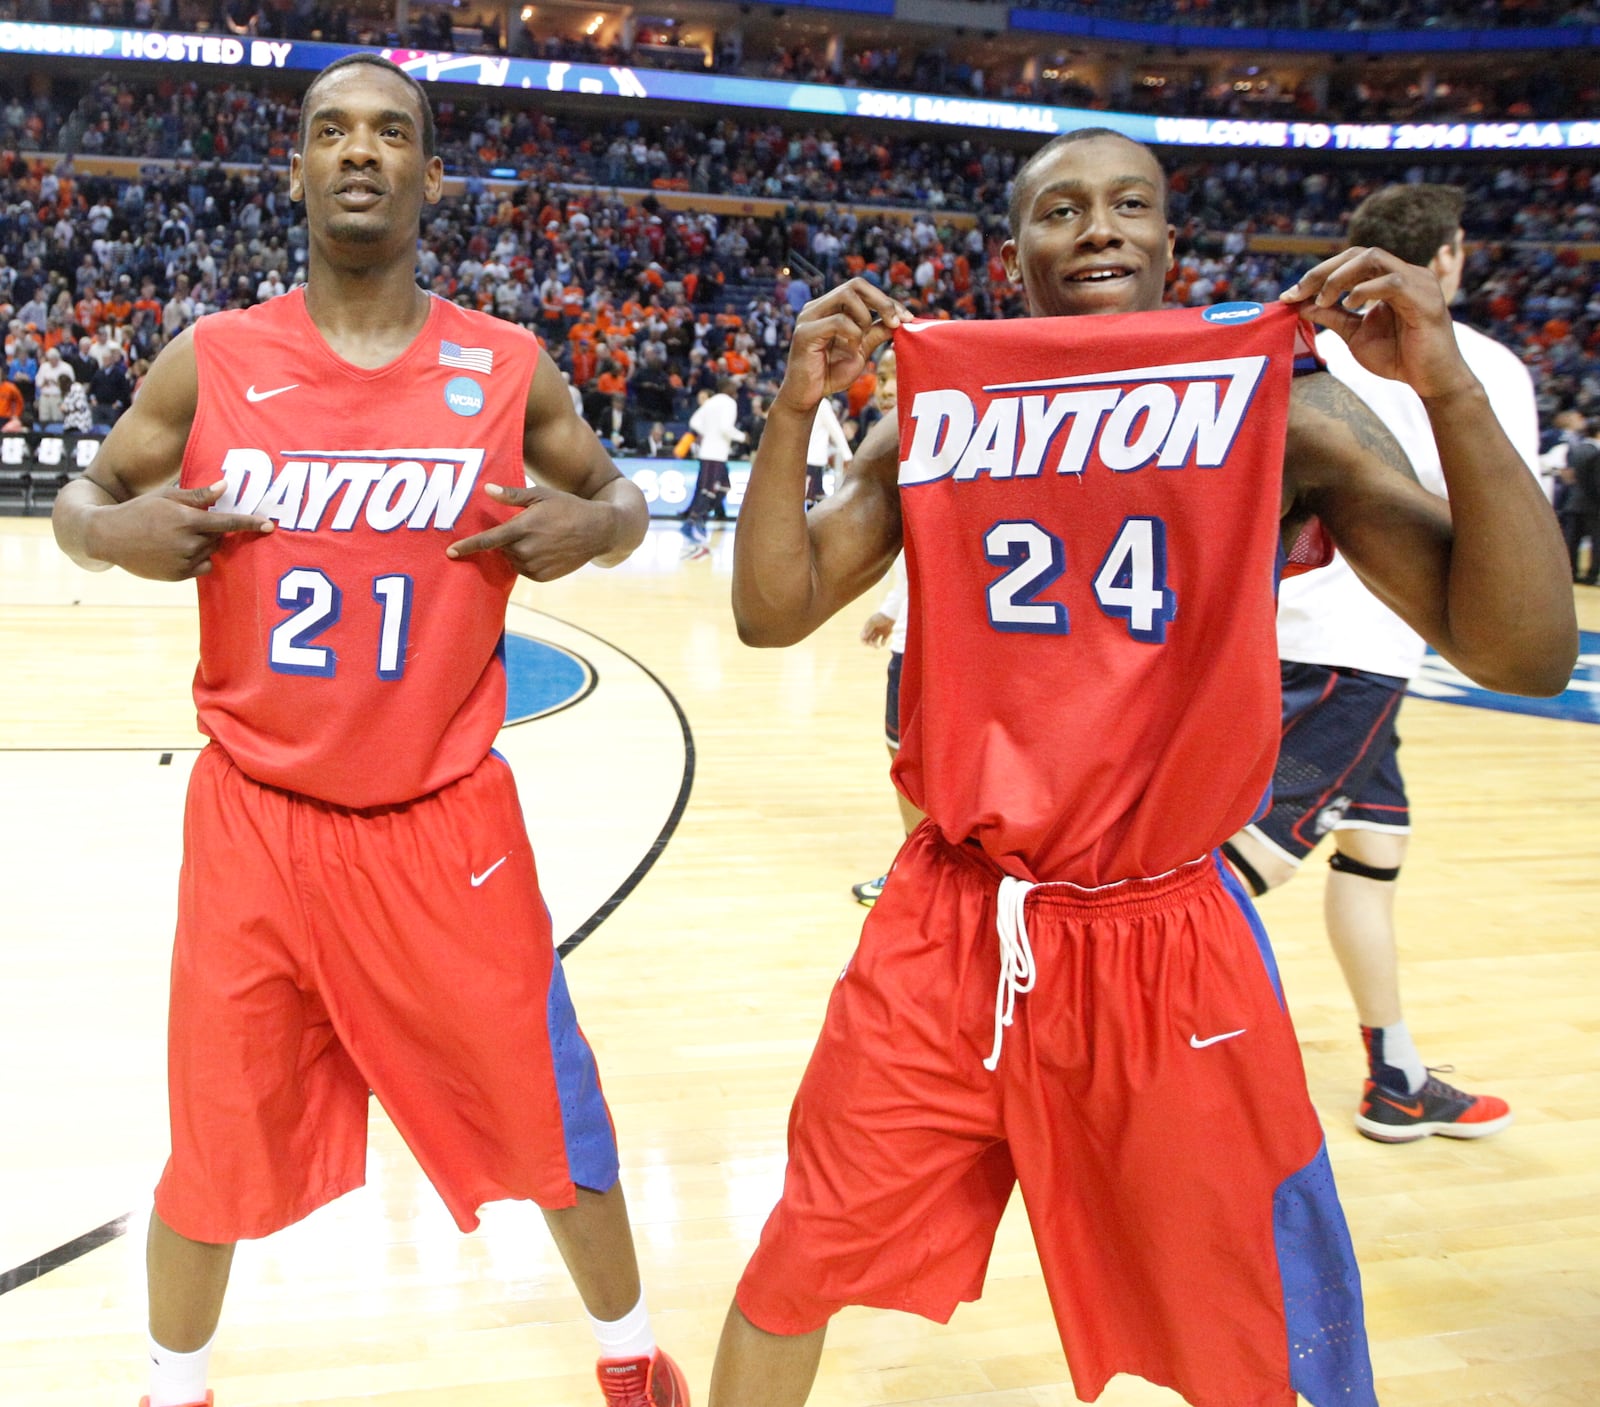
(31, 1270)
(685, 786)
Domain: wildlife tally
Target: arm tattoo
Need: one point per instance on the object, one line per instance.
(1325, 394)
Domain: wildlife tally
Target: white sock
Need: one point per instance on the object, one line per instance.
(178, 1379)
(1400, 1051)
(627, 1337)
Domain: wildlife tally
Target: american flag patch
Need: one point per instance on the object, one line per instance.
(467, 358)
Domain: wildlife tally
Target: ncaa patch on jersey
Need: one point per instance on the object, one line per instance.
(463, 395)
(1232, 312)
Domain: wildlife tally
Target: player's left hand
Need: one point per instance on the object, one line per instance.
(554, 534)
(1391, 313)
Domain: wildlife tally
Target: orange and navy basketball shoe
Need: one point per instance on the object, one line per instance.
(869, 891)
(1393, 1116)
(655, 1381)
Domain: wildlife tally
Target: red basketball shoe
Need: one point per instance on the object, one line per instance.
(1392, 1116)
(655, 1381)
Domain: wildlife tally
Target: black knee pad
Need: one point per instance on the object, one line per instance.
(1346, 864)
(1247, 871)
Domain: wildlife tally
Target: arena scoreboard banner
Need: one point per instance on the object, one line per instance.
(824, 100)
(668, 484)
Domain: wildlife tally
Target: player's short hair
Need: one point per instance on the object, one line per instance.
(1080, 134)
(430, 139)
(1410, 221)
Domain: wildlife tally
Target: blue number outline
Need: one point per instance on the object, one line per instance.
(1018, 558)
(1157, 633)
(305, 598)
(403, 633)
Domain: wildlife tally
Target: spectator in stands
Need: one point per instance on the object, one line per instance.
(22, 366)
(12, 407)
(34, 310)
(110, 391)
(1579, 508)
(657, 443)
(104, 347)
(75, 412)
(79, 357)
(617, 428)
(179, 311)
(797, 293)
(50, 387)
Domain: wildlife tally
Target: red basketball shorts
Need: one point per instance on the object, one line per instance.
(1149, 1099)
(322, 953)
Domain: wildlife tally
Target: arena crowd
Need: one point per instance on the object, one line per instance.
(645, 301)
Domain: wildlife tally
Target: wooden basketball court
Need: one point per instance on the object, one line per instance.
(700, 981)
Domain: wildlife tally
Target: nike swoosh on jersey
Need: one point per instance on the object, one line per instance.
(478, 879)
(252, 395)
(1199, 1044)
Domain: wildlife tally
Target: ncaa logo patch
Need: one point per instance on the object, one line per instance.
(1232, 312)
(463, 395)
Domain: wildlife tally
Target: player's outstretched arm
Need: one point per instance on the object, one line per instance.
(581, 508)
(1484, 579)
(793, 569)
(123, 512)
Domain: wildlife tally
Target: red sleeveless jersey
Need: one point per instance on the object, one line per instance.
(1091, 511)
(344, 656)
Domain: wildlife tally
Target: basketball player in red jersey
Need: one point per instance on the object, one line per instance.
(1121, 1051)
(358, 906)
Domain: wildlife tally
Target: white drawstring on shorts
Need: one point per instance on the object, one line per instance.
(1017, 971)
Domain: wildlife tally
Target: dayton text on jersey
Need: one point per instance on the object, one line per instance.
(1171, 415)
(417, 488)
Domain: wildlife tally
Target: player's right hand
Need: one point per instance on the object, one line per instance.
(834, 339)
(167, 536)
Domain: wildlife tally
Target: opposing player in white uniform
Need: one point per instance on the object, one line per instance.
(1347, 659)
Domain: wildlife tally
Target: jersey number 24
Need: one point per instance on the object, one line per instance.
(1130, 585)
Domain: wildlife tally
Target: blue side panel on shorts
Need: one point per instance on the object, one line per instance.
(1231, 883)
(1328, 1358)
(591, 1145)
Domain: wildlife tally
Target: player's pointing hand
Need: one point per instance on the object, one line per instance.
(167, 536)
(554, 534)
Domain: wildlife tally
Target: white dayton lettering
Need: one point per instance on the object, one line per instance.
(388, 488)
(1174, 416)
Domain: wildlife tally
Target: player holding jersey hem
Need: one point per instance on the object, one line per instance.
(370, 916)
(905, 1140)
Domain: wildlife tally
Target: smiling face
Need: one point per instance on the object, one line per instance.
(1091, 234)
(363, 174)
